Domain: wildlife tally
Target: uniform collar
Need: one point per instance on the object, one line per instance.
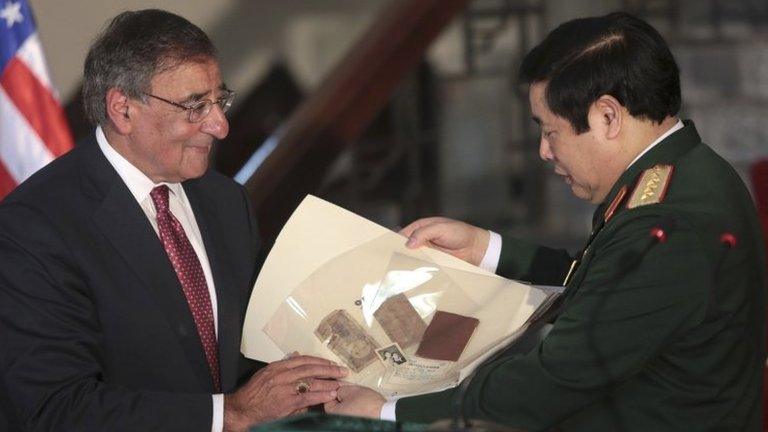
(679, 125)
(665, 151)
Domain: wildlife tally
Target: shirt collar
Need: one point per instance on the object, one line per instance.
(673, 129)
(138, 183)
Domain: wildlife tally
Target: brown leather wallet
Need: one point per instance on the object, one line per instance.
(446, 336)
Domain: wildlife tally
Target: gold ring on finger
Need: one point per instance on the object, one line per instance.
(302, 387)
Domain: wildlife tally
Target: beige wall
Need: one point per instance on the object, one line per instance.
(309, 35)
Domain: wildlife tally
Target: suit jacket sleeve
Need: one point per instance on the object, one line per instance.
(588, 351)
(50, 338)
(526, 261)
(247, 367)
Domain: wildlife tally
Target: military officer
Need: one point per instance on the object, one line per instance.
(661, 326)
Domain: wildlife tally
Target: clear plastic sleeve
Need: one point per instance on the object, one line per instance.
(405, 331)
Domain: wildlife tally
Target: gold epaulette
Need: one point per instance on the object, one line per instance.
(651, 187)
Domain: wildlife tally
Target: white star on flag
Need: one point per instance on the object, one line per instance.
(33, 127)
(11, 13)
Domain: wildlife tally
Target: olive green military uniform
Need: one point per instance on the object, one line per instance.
(653, 336)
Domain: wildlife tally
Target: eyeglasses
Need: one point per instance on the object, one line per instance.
(199, 109)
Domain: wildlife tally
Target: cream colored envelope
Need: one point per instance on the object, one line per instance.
(319, 237)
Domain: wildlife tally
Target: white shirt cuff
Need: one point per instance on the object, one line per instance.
(388, 411)
(492, 255)
(217, 425)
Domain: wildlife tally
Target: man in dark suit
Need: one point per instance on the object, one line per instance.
(126, 265)
(661, 326)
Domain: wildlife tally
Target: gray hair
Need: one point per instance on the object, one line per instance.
(135, 46)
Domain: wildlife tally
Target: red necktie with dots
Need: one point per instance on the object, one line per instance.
(191, 276)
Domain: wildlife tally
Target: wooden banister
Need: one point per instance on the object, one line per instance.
(344, 105)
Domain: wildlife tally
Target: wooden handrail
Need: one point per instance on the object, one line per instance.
(344, 105)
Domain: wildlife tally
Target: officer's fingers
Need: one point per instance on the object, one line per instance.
(312, 398)
(413, 226)
(440, 235)
(318, 384)
(353, 390)
(332, 406)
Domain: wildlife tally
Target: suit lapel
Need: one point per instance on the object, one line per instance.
(122, 221)
(213, 235)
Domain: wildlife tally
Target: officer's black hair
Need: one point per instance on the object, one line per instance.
(618, 55)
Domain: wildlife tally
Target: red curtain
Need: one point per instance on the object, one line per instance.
(759, 175)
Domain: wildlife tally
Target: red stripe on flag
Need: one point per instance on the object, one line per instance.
(37, 104)
(7, 183)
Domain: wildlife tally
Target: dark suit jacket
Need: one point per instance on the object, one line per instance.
(664, 337)
(95, 331)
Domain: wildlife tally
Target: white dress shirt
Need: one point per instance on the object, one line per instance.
(140, 186)
(492, 256)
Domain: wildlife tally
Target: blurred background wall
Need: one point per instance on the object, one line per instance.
(454, 137)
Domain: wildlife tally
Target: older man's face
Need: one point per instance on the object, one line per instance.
(586, 164)
(166, 146)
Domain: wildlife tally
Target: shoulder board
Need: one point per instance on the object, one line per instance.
(651, 187)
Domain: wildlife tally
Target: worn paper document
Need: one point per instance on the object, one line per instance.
(347, 339)
(400, 320)
(338, 286)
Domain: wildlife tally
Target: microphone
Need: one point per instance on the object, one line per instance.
(659, 234)
(729, 241)
(460, 422)
(663, 227)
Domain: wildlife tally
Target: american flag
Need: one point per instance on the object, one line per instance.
(33, 129)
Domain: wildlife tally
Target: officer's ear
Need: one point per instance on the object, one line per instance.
(610, 116)
(119, 110)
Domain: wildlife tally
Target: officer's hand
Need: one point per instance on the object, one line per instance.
(356, 401)
(457, 238)
(274, 391)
